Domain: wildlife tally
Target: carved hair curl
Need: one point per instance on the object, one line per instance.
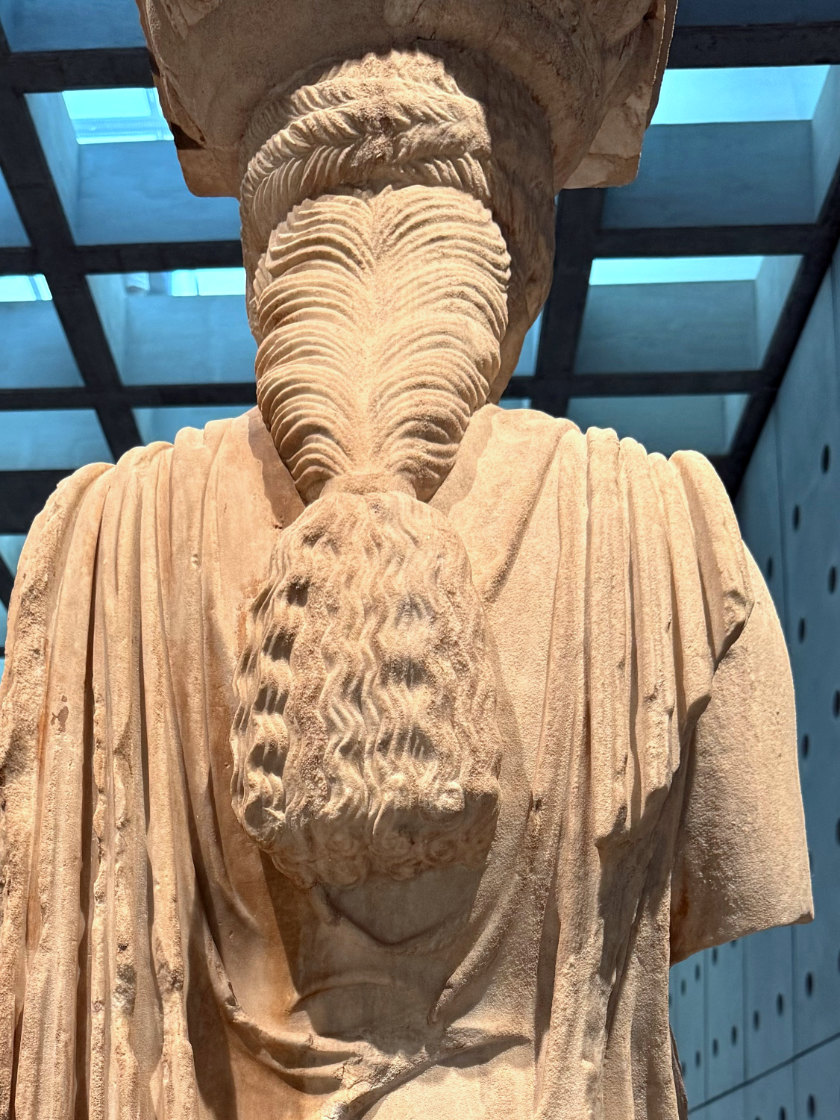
(365, 740)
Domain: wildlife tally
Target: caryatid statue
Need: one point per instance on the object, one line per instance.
(376, 753)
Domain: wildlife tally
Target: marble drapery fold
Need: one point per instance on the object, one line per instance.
(118, 904)
(116, 972)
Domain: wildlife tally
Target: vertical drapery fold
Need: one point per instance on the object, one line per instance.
(42, 754)
(101, 908)
(663, 597)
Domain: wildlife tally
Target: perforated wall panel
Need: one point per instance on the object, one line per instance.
(724, 1018)
(759, 1031)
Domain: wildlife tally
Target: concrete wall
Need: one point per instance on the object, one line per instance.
(757, 1022)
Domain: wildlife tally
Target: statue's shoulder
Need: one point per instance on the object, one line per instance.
(88, 485)
(525, 424)
(527, 430)
(188, 439)
(241, 436)
(515, 441)
(679, 500)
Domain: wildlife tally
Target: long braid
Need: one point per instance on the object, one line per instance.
(381, 319)
(380, 289)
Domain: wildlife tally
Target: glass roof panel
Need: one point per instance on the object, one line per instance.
(51, 440)
(11, 546)
(110, 116)
(206, 282)
(33, 347)
(117, 172)
(749, 146)
(673, 270)
(165, 423)
(12, 232)
(667, 424)
(729, 95)
(749, 173)
(43, 25)
(665, 328)
(24, 289)
(682, 314)
(177, 327)
(527, 364)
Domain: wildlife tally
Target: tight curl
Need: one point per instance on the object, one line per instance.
(365, 740)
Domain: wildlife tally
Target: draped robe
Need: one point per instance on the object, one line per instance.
(154, 964)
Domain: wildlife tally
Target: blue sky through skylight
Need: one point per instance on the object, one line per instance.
(756, 93)
(704, 423)
(527, 364)
(187, 282)
(725, 95)
(11, 229)
(673, 270)
(23, 289)
(208, 282)
(110, 116)
(165, 423)
(11, 546)
(55, 439)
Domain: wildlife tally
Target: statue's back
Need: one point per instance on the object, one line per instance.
(379, 751)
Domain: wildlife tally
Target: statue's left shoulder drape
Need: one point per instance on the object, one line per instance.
(742, 857)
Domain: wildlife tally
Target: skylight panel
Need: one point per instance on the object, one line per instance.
(111, 116)
(34, 351)
(705, 423)
(23, 289)
(117, 173)
(728, 96)
(527, 363)
(682, 314)
(165, 423)
(186, 282)
(673, 270)
(46, 25)
(175, 327)
(51, 440)
(11, 546)
(208, 282)
(11, 229)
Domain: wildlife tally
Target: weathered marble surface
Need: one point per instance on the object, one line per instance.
(593, 65)
(377, 752)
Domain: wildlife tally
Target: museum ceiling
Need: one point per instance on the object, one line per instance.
(676, 304)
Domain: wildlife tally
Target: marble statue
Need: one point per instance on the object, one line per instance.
(376, 753)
